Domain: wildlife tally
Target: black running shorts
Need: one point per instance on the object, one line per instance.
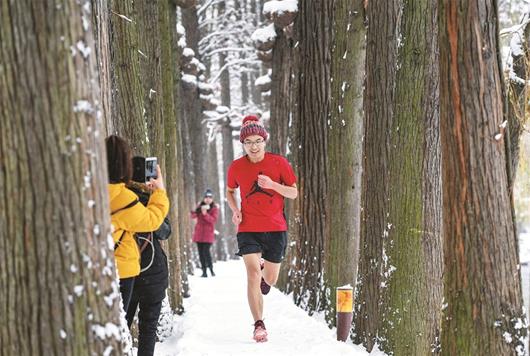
(272, 245)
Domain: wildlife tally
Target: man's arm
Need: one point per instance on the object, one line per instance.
(290, 192)
(236, 217)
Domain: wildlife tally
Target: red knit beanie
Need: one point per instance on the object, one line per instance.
(252, 126)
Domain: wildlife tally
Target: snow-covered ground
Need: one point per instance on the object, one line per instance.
(217, 322)
(524, 258)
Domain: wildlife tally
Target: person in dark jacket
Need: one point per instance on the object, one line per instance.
(204, 234)
(150, 286)
(128, 217)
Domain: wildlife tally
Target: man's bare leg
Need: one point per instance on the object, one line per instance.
(270, 272)
(255, 299)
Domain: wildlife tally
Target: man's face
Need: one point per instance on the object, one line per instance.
(254, 146)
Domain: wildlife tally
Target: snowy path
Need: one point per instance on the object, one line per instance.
(217, 322)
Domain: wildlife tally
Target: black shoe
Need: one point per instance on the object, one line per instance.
(265, 288)
(204, 273)
(211, 272)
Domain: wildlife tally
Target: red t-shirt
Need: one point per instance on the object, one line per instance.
(262, 209)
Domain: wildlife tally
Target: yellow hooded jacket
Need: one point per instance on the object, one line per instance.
(137, 218)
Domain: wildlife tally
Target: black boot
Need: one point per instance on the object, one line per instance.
(211, 272)
(204, 273)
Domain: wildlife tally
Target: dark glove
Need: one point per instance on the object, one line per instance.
(164, 231)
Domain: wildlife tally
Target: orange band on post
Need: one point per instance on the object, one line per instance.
(344, 300)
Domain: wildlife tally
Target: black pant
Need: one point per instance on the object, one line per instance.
(204, 254)
(147, 321)
(126, 289)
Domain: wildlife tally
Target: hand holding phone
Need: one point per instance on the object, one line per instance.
(157, 183)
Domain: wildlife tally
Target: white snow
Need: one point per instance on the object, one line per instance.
(188, 52)
(78, 290)
(264, 34)
(107, 331)
(280, 7)
(263, 80)
(82, 106)
(180, 29)
(83, 48)
(188, 78)
(221, 109)
(217, 322)
(516, 46)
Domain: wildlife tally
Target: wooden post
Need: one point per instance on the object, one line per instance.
(344, 312)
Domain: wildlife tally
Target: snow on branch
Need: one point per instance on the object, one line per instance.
(227, 49)
(513, 29)
(264, 38)
(280, 7)
(264, 82)
(207, 5)
(282, 13)
(232, 63)
(216, 20)
(516, 45)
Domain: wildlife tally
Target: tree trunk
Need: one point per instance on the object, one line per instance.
(225, 82)
(345, 133)
(281, 93)
(100, 19)
(483, 313)
(127, 111)
(192, 107)
(516, 107)
(229, 231)
(173, 172)
(189, 181)
(149, 44)
(59, 293)
(314, 30)
(239, 7)
(219, 247)
(400, 272)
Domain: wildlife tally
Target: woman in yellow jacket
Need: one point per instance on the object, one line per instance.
(128, 215)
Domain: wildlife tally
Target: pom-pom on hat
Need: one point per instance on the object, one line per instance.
(252, 126)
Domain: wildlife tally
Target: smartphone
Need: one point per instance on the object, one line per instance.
(144, 168)
(150, 168)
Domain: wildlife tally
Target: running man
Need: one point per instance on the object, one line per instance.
(264, 179)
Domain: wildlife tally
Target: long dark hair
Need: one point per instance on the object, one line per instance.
(198, 210)
(119, 159)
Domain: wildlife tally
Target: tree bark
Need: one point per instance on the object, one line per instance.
(380, 79)
(281, 93)
(127, 112)
(412, 270)
(415, 292)
(173, 165)
(149, 44)
(400, 274)
(345, 134)
(228, 147)
(311, 116)
(100, 19)
(483, 311)
(59, 293)
(193, 110)
(516, 107)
